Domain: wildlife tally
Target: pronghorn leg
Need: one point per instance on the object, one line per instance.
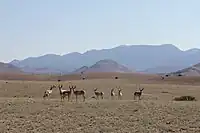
(120, 98)
(68, 98)
(44, 96)
(83, 98)
(61, 98)
(76, 98)
(71, 97)
(49, 97)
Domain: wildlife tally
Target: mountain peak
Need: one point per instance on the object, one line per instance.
(108, 65)
(169, 46)
(109, 61)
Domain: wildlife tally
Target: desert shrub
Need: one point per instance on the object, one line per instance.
(164, 92)
(116, 77)
(185, 98)
(179, 75)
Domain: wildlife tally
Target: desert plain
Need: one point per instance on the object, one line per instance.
(23, 109)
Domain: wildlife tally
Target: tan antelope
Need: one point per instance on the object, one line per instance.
(112, 94)
(138, 93)
(78, 92)
(119, 93)
(64, 93)
(98, 93)
(48, 92)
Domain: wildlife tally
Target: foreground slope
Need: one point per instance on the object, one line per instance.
(23, 110)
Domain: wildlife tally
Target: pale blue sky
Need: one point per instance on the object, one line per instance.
(37, 27)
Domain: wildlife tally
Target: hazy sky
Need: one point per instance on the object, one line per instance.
(38, 27)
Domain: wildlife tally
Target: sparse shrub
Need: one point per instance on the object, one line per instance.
(116, 77)
(185, 98)
(180, 75)
(164, 92)
(25, 95)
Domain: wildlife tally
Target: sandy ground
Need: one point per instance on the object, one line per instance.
(22, 109)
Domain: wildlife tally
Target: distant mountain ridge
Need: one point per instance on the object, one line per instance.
(138, 57)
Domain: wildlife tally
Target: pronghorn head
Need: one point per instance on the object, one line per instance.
(53, 86)
(141, 89)
(73, 87)
(119, 88)
(60, 86)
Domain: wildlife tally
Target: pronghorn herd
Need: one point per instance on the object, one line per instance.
(72, 90)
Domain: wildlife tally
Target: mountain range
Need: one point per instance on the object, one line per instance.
(162, 58)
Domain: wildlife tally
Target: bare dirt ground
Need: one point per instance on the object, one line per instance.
(23, 110)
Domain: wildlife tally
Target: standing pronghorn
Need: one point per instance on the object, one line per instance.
(78, 92)
(64, 93)
(48, 92)
(98, 93)
(138, 93)
(112, 94)
(119, 93)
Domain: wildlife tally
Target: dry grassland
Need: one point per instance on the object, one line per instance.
(22, 109)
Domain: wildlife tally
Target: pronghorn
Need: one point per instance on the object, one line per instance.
(112, 94)
(78, 92)
(138, 93)
(98, 93)
(64, 93)
(48, 92)
(120, 93)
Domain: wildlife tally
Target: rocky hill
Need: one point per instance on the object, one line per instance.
(81, 70)
(189, 71)
(9, 68)
(105, 65)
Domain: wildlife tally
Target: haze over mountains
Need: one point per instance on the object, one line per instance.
(145, 58)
